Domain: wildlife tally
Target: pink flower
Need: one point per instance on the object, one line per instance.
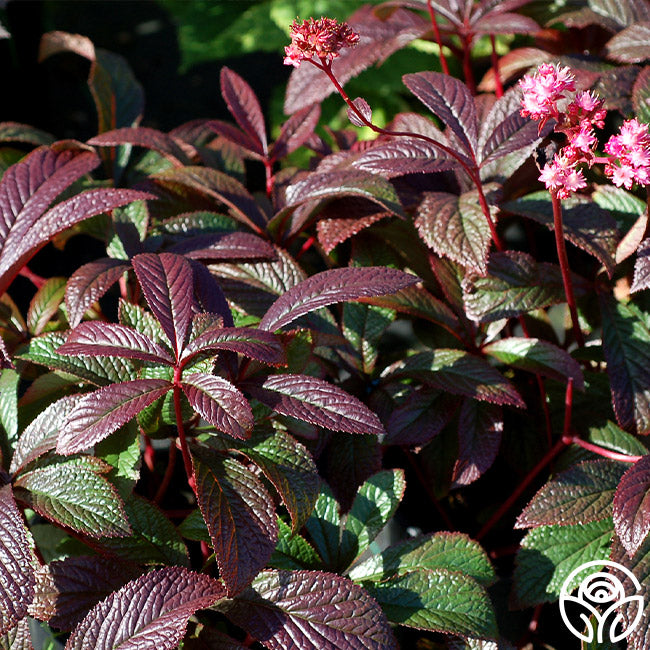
(631, 150)
(543, 90)
(322, 38)
(561, 177)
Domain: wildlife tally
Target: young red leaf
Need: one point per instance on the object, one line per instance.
(166, 282)
(632, 506)
(66, 589)
(239, 514)
(295, 131)
(89, 283)
(220, 403)
(237, 137)
(406, 156)
(110, 339)
(631, 44)
(100, 413)
(318, 402)
(209, 295)
(328, 287)
(17, 579)
(332, 232)
(233, 246)
(150, 612)
(362, 106)
(142, 136)
(450, 100)
(310, 610)
(254, 343)
(244, 107)
(480, 426)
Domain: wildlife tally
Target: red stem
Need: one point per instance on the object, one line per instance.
(37, 280)
(495, 66)
(187, 461)
(507, 504)
(268, 169)
(467, 64)
(169, 472)
(601, 451)
(471, 171)
(564, 267)
(436, 32)
(149, 454)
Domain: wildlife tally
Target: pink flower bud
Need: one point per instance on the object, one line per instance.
(322, 38)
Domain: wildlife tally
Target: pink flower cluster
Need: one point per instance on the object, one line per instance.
(322, 38)
(631, 148)
(543, 90)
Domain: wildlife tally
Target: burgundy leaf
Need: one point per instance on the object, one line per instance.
(378, 40)
(363, 107)
(642, 267)
(420, 418)
(237, 137)
(407, 156)
(318, 402)
(17, 132)
(150, 612)
(103, 411)
(480, 426)
(220, 403)
(166, 282)
(41, 434)
(505, 23)
(239, 515)
(209, 294)
(254, 343)
(455, 227)
(67, 589)
(217, 186)
(295, 131)
(244, 107)
(310, 610)
(5, 359)
(632, 239)
(19, 637)
(24, 240)
(335, 285)
(149, 138)
(233, 246)
(458, 373)
(332, 232)
(450, 100)
(626, 344)
(505, 130)
(89, 283)
(631, 44)
(512, 64)
(632, 506)
(95, 338)
(17, 579)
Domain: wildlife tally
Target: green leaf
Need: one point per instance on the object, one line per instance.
(585, 223)
(363, 326)
(537, 356)
(8, 410)
(153, 540)
(548, 555)
(323, 526)
(290, 468)
(621, 204)
(141, 320)
(121, 450)
(451, 551)
(439, 600)
(293, 552)
(193, 527)
(459, 373)
(374, 505)
(455, 227)
(73, 493)
(626, 343)
(45, 303)
(99, 371)
(579, 495)
(515, 284)
(614, 438)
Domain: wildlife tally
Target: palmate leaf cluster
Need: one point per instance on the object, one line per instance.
(215, 435)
